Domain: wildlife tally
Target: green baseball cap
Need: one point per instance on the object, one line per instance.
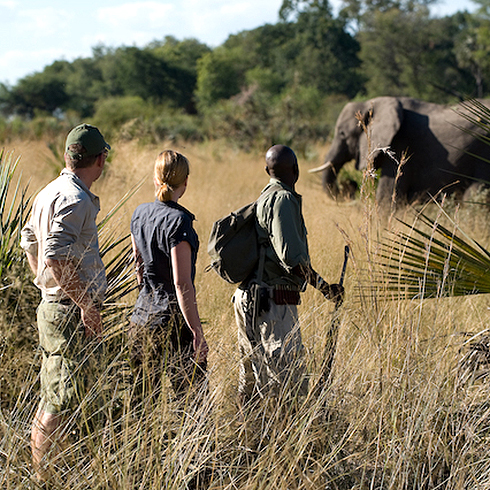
(89, 137)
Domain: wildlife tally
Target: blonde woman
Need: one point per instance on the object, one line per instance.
(166, 334)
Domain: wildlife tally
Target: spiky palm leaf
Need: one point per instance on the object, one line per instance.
(14, 207)
(432, 260)
(479, 116)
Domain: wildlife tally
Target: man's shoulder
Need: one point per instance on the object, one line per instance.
(276, 195)
(69, 185)
(61, 192)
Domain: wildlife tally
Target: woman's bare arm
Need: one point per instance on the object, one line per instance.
(186, 296)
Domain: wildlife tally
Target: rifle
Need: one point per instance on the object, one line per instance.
(332, 333)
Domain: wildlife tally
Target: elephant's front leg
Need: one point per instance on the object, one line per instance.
(392, 190)
(386, 194)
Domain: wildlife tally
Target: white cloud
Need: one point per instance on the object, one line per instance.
(44, 21)
(136, 23)
(237, 8)
(213, 23)
(20, 63)
(139, 14)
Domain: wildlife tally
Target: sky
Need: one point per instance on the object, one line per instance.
(36, 33)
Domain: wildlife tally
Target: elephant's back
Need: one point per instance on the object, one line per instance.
(421, 106)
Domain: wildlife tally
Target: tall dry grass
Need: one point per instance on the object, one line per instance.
(398, 412)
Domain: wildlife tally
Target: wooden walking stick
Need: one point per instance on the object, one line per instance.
(333, 331)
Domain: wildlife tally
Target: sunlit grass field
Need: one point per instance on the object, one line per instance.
(402, 410)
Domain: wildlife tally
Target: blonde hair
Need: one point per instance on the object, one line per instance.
(171, 170)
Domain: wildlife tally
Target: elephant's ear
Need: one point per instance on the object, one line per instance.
(385, 121)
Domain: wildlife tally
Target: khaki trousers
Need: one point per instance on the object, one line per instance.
(272, 352)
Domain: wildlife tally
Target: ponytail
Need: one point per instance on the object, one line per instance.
(171, 170)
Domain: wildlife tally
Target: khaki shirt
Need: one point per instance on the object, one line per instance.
(62, 226)
(280, 222)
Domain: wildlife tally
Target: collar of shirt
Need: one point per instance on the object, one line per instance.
(175, 205)
(274, 181)
(79, 182)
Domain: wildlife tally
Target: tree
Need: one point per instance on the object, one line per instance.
(44, 91)
(221, 75)
(85, 85)
(307, 48)
(180, 54)
(406, 52)
(291, 9)
(182, 57)
(327, 54)
(472, 47)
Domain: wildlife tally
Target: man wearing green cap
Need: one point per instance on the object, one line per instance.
(62, 248)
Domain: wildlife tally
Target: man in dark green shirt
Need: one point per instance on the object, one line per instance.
(269, 337)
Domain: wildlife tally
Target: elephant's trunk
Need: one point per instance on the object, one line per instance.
(329, 178)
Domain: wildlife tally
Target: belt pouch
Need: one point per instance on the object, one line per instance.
(286, 297)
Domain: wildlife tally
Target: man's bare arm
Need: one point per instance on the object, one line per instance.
(32, 259)
(331, 292)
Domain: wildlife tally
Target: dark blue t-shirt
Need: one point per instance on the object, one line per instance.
(157, 227)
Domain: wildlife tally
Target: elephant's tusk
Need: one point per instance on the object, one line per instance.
(322, 167)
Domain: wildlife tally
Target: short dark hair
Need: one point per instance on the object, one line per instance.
(78, 157)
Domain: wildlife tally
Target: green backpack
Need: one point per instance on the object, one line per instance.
(233, 244)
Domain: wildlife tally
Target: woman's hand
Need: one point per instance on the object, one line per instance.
(186, 297)
(201, 349)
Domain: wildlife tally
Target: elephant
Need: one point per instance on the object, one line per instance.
(439, 152)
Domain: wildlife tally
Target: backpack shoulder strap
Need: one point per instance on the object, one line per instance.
(263, 245)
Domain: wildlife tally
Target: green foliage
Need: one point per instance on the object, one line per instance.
(163, 72)
(113, 112)
(327, 55)
(264, 79)
(315, 51)
(136, 72)
(15, 278)
(43, 91)
(134, 118)
(220, 76)
(472, 49)
(85, 84)
(295, 8)
(421, 64)
(41, 126)
(182, 55)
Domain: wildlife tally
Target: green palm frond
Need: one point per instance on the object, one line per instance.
(14, 207)
(430, 260)
(478, 115)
